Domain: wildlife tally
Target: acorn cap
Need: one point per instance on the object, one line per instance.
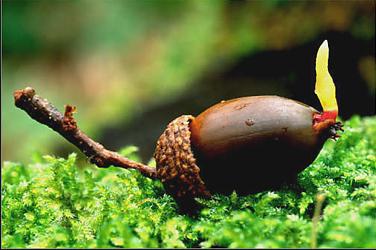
(176, 163)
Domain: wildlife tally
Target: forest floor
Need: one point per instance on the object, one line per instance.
(54, 203)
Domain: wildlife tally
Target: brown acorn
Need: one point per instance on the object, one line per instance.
(248, 144)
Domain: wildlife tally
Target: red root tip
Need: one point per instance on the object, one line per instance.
(326, 115)
(327, 121)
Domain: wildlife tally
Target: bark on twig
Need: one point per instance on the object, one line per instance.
(44, 112)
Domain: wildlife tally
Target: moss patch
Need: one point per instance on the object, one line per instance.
(54, 203)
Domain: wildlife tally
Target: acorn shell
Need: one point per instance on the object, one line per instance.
(256, 143)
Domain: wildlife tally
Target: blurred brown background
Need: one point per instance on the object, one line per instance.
(132, 66)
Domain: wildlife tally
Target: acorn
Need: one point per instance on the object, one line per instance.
(248, 144)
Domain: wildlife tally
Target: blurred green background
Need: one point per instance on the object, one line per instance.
(132, 66)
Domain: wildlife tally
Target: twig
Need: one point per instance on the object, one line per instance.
(44, 112)
(315, 219)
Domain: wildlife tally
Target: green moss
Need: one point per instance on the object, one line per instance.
(54, 203)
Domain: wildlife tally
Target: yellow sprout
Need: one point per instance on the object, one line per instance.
(325, 88)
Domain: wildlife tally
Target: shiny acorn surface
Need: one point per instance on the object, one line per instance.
(256, 143)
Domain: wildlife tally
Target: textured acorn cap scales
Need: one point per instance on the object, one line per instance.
(176, 164)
